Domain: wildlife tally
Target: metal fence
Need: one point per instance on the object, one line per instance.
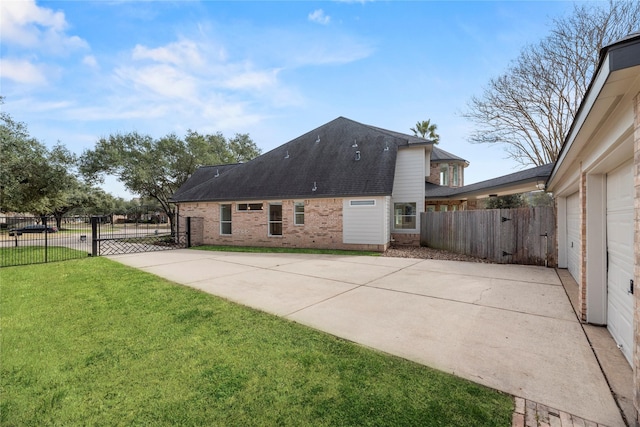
(505, 236)
(34, 240)
(109, 238)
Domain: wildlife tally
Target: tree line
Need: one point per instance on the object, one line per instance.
(54, 181)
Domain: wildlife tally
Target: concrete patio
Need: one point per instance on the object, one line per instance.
(509, 327)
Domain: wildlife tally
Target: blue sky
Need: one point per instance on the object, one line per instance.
(74, 71)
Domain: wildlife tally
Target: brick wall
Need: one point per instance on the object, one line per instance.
(434, 178)
(636, 166)
(322, 227)
(582, 291)
(405, 239)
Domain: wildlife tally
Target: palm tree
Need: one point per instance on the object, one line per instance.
(426, 130)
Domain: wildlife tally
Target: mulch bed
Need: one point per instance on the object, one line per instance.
(429, 253)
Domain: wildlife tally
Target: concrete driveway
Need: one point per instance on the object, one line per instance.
(508, 327)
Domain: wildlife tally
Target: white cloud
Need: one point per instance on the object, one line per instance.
(319, 17)
(184, 53)
(251, 79)
(90, 61)
(26, 25)
(161, 79)
(22, 71)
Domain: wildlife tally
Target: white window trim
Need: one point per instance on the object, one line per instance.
(249, 210)
(230, 222)
(417, 217)
(295, 214)
(269, 222)
(362, 203)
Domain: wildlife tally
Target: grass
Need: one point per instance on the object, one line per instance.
(36, 254)
(98, 343)
(283, 250)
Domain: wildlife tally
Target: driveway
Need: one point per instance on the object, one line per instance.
(508, 327)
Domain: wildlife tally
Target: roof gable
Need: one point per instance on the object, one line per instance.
(612, 80)
(440, 155)
(525, 180)
(341, 158)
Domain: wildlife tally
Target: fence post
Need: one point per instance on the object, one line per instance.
(94, 236)
(46, 239)
(188, 226)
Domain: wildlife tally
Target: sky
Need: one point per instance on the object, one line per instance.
(76, 71)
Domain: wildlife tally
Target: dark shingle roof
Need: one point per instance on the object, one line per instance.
(539, 173)
(324, 158)
(201, 175)
(439, 155)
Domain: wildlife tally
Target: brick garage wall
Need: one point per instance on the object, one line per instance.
(636, 166)
(582, 286)
(322, 227)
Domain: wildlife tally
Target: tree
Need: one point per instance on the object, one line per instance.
(540, 198)
(509, 201)
(530, 107)
(156, 168)
(32, 178)
(426, 130)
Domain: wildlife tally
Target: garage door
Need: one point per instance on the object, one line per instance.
(573, 235)
(620, 193)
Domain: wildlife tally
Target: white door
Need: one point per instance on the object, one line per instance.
(620, 230)
(573, 235)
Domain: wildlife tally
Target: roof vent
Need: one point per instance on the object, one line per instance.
(287, 156)
(386, 148)
(217, 173)
(357, 155)
(355, 144)
(318, 139)
(315, 187)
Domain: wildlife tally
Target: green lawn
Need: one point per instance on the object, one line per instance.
(92, 342)
(283, 250)
(22, 255)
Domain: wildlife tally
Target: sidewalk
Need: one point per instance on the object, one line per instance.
(508, 327)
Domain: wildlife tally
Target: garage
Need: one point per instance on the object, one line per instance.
(573, 235)
(620, 230)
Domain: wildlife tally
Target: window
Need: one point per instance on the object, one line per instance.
(444, 174)
(275, 220)
(456, 180)
(444, 208)
(298, 213)
(431, 208)
(249, 206)
(362, 202)
(404, 215)
(225, 219)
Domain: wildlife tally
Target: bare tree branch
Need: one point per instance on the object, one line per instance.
(530, 107)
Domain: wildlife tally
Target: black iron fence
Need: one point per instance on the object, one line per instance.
(109, 238)
(34, 240)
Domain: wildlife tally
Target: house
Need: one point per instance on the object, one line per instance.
(596, 182)
(443, 198)
(344, 185)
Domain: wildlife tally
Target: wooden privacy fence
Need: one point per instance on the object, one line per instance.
(505, 236)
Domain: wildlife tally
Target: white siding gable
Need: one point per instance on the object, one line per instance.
(409, 179)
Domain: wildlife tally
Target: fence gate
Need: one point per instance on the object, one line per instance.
(109, 238)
